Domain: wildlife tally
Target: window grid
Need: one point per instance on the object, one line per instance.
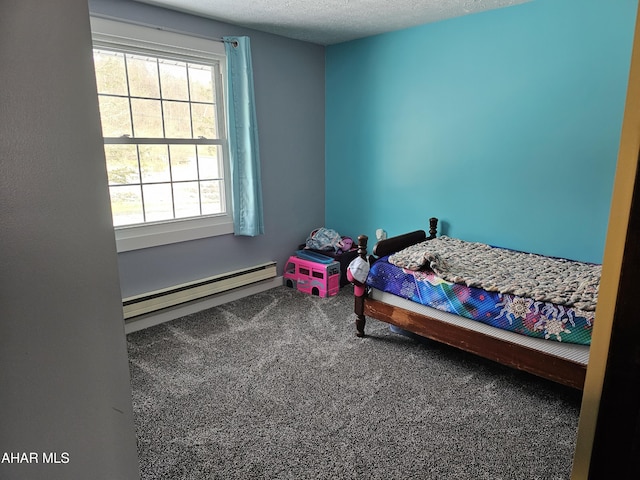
(125, 139)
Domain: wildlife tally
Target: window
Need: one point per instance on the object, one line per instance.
(161, 107)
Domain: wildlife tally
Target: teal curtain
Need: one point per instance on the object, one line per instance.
(243, 139)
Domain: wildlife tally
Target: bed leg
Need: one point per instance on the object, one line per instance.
(360, 318)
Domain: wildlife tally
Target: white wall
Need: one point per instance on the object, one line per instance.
(64, 379)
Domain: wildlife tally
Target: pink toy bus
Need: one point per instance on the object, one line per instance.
(315, 278)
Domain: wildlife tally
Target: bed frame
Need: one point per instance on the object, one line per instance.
(559, 365)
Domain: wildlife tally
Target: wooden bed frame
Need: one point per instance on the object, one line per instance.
(551, 366)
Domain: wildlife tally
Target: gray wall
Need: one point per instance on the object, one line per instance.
(289, 88)
(64, 379)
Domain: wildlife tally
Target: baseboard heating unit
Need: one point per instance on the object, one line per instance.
(187, 292)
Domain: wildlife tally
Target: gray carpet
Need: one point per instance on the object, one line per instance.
(277, 386)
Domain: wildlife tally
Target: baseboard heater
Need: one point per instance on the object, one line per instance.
(187, 292)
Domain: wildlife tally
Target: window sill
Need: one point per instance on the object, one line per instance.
(146, 236)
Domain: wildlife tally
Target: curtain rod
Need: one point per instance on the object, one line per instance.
(161, 28)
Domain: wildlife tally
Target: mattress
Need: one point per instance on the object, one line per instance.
(569, 351)
(521, 315)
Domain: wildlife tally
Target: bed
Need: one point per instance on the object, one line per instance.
(525, 327)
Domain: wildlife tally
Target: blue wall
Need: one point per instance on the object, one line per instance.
(503, 124)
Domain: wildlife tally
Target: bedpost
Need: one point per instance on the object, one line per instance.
(359, 293)
(433, 224)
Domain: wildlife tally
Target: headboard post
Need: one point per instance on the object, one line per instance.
(433, 224)
(362, 246)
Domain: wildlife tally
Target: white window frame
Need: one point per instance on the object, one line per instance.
(117, 34)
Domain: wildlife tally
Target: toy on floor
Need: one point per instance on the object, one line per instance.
(312, 274)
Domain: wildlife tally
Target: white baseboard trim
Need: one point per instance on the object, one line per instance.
(168, 314)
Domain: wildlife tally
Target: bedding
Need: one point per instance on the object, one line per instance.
(549, 279)
(547, 298)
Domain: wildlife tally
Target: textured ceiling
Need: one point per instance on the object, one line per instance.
(331, 21)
